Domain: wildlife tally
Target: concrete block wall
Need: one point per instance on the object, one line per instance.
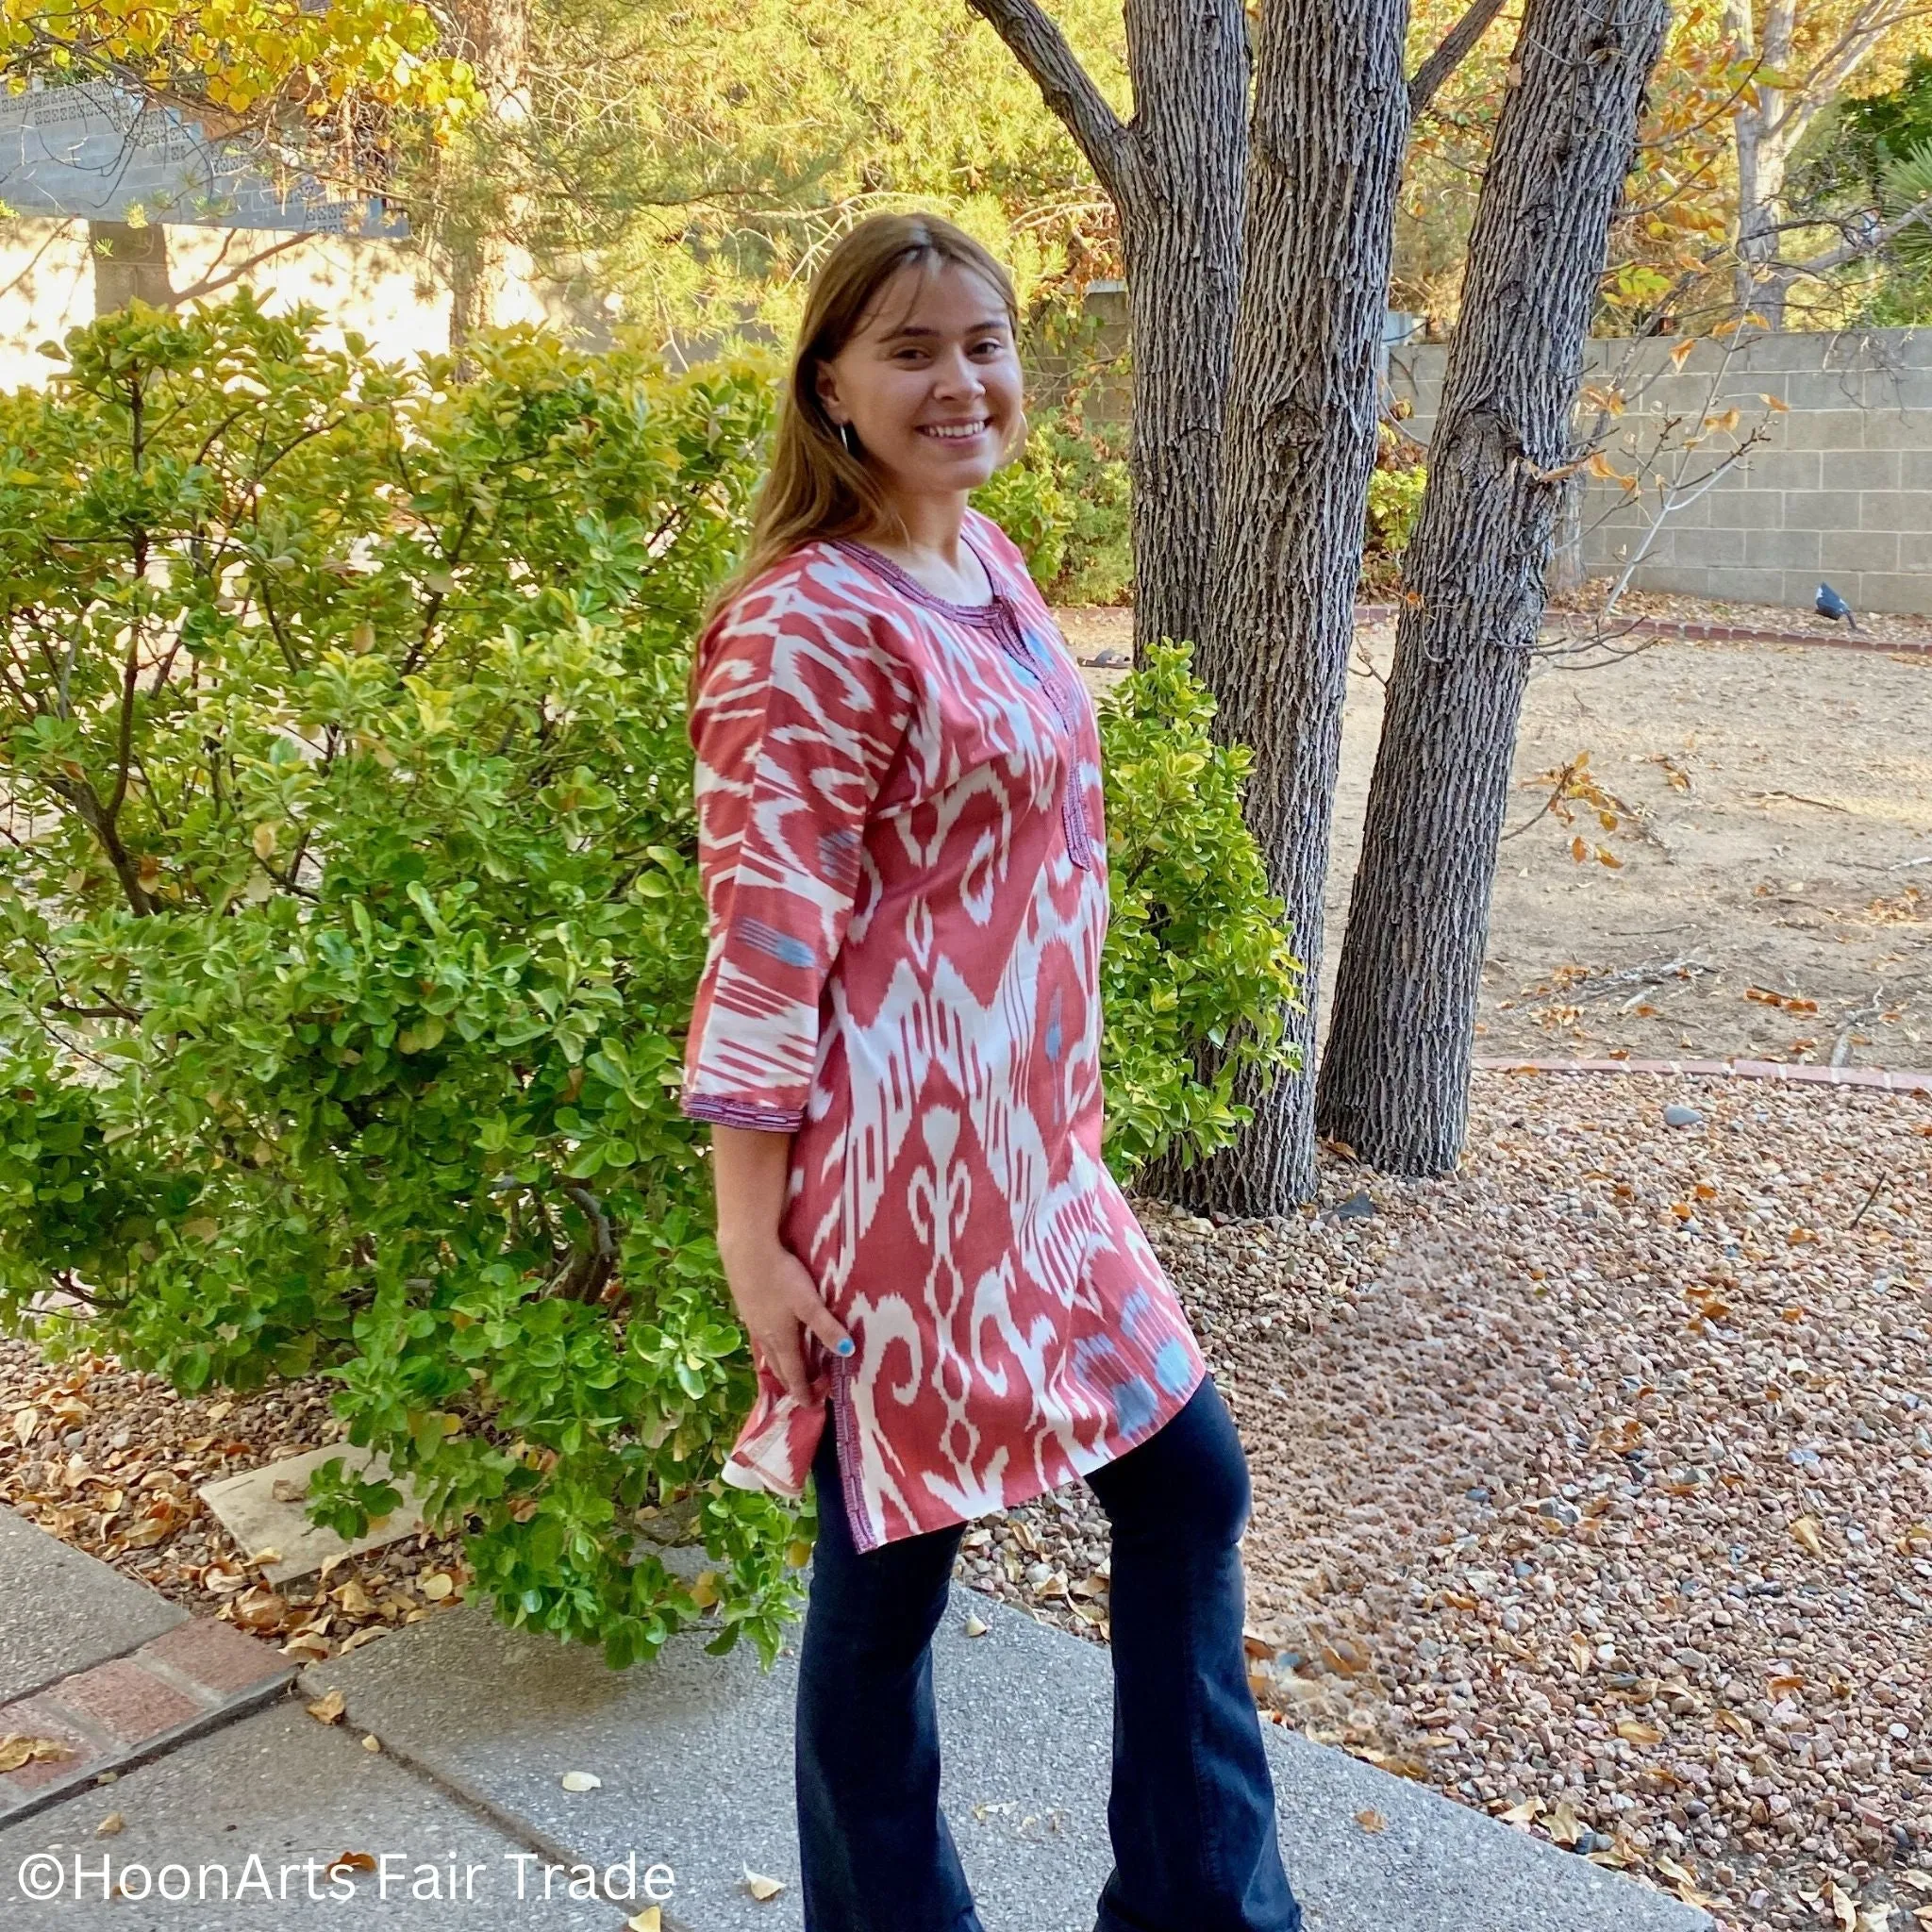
(1838, 484)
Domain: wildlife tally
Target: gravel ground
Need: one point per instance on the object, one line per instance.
(1879, 626)
(109, 1459)
(1593, 1486)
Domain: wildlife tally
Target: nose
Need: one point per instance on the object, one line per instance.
(955, 373)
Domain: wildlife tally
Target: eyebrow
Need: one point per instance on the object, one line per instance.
(920, 329)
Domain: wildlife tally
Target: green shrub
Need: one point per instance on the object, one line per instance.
(350, 918)
(1395, 495)
(346, 973)
(1197, 948)
(1065, 500)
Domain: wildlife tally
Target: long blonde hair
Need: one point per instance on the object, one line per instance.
(816, 487)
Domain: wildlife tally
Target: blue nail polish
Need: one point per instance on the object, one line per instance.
(846, 1344)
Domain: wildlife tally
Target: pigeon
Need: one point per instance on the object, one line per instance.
(1829, 604)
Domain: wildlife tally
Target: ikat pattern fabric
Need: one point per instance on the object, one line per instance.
(904, 856)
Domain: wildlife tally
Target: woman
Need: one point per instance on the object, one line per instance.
(896, 1040)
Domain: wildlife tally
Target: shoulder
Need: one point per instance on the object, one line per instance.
(810, 617)
(817, 585)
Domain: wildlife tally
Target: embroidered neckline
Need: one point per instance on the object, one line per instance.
(907, 584)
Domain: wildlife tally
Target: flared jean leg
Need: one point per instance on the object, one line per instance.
(1191, 1811)
(875, 1852)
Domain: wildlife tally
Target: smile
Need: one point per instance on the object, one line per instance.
(954, 432)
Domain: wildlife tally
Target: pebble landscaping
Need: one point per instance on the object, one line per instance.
(1593, 1486)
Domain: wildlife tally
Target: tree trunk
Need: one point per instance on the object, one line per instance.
(129, 263)
(1181, 228)
(1394, 1080)
(1175, 176)
(496, 43)
(1330, 124)
(1568, 572)
(1764, 129)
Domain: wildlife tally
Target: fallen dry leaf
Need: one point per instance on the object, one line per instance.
(1524, 1813)
(1565, 1827)
(437, 1585)
(1842, 1909)
(581, 1781)
(111, 1825)
(1372, 1821)
(18, 1748)
(1805, 1530)
(650, 1920)
(26, 1421)
(1632, 1731)
(760, 1886)
(974, 1628)
(352, 1861)
(329, 1709)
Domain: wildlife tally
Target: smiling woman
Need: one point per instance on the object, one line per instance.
(896, 1039)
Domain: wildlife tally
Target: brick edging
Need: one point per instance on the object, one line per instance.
(1688, 632)
(188, 1680)
(1897, 1080)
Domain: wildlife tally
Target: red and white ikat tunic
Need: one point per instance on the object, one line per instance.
(904, 863)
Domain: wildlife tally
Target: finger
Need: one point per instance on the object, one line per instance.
(824, 1325)
(787, 1359)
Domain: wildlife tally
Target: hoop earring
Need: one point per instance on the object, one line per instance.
(849, 437)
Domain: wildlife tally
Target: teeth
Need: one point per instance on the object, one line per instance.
(954, 433)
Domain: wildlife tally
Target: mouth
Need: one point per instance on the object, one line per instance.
(955, 432)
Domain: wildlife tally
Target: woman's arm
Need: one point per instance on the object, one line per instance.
(773, 1290)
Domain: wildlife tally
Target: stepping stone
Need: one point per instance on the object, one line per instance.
(265, 1510)
(61, 1611)
(283, 1790)
(694, 1756)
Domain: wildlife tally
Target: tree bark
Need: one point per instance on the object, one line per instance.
(1394, 1080)
(1181, 229)
(484, 255)
(1175, 174)
(1330, 124)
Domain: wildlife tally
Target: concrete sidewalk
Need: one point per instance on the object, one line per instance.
(477, 1726)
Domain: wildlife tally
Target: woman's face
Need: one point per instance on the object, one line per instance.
(930, 382)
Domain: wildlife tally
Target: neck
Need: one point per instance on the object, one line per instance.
(932, 527)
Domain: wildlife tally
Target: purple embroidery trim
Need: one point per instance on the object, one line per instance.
(742, 1113)
(999, 617)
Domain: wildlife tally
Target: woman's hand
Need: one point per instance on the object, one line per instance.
(779, 1303)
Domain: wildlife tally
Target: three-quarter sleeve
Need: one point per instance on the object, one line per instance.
(799, 715)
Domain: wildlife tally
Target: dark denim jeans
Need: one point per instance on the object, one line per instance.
(1191, 1811)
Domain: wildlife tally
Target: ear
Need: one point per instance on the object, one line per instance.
(827, 384)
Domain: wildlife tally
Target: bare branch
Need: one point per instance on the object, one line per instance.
(1869, 244)
(1041, 49)
(1456, 48)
